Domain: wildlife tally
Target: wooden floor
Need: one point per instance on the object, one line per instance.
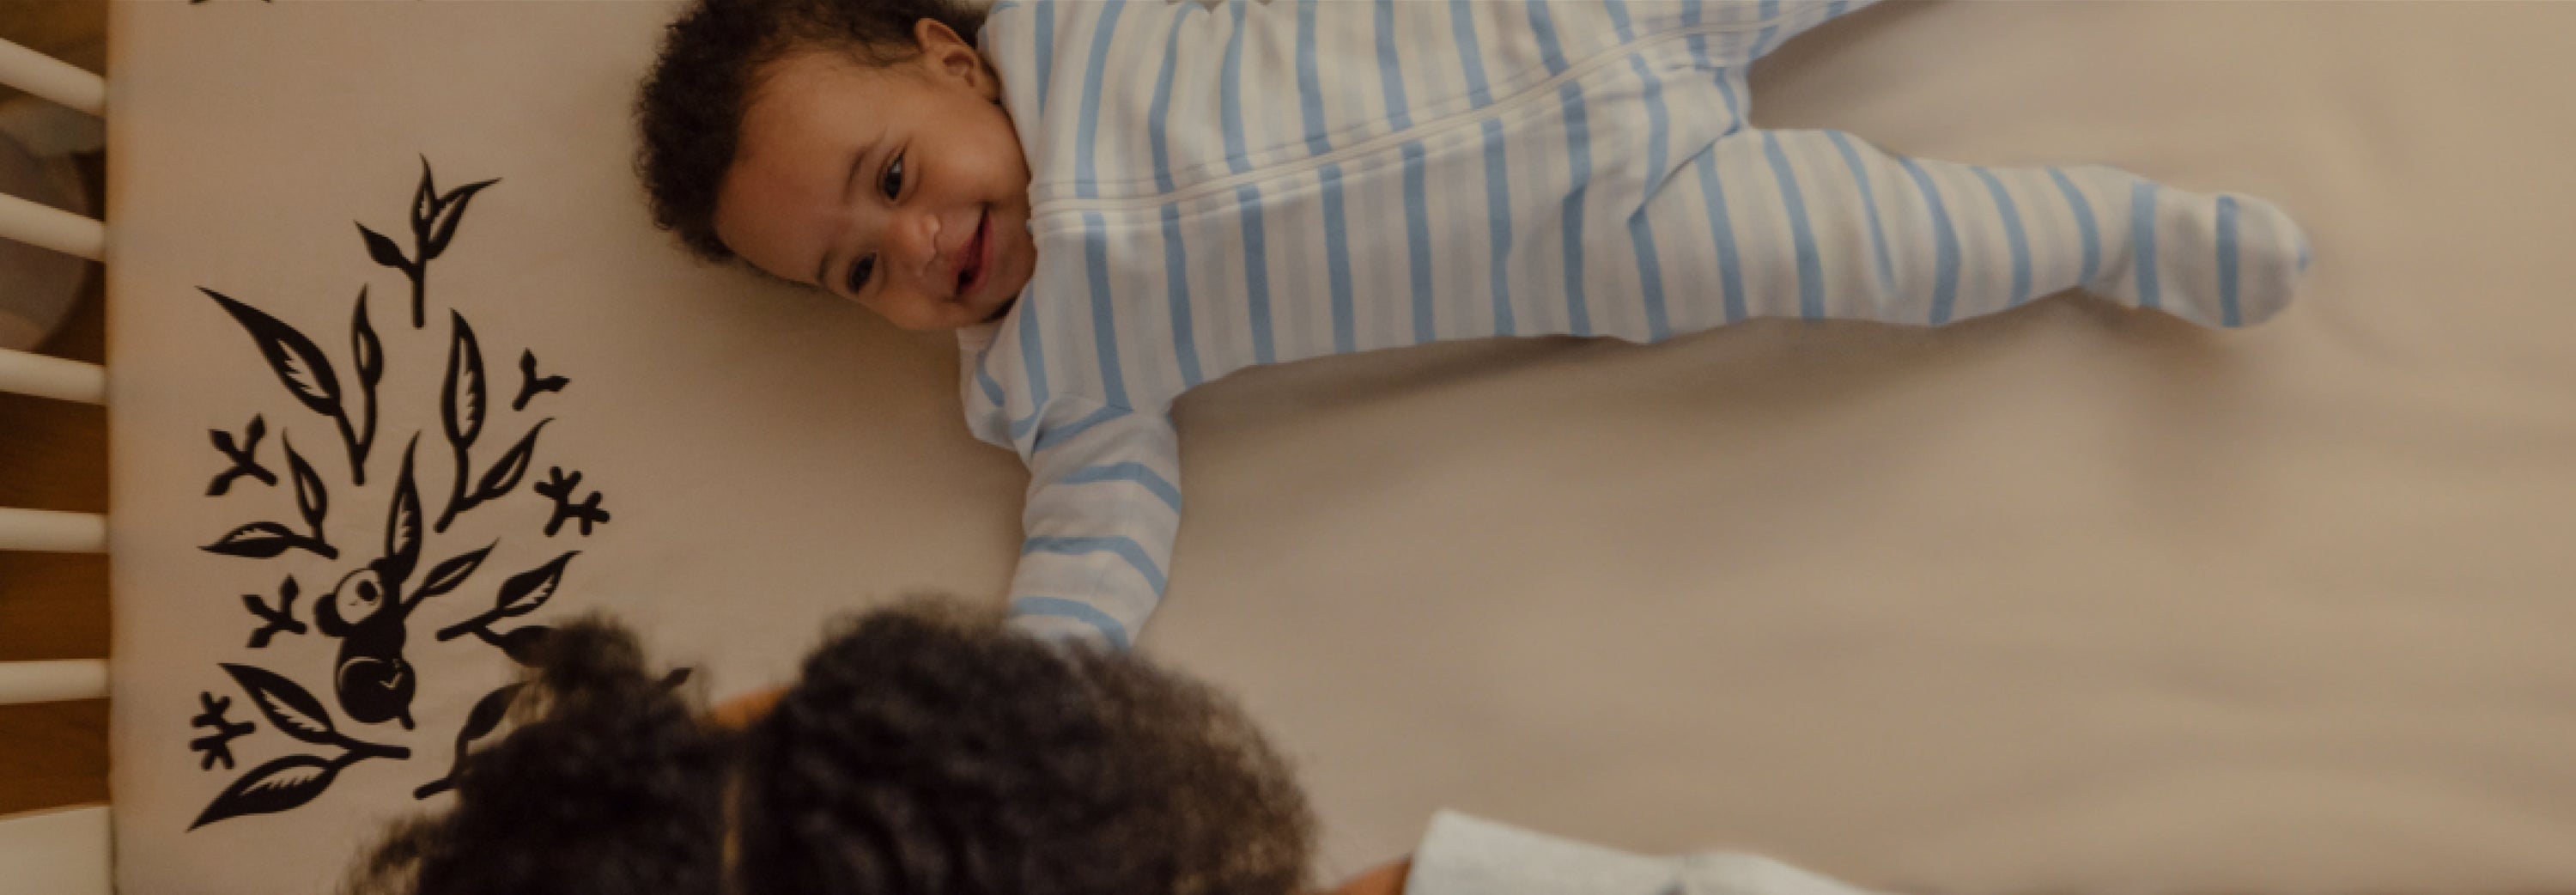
(53, 456)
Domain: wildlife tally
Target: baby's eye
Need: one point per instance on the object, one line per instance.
(859, 271)
(892, 185)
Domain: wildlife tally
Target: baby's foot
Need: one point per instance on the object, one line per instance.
(2225, 260)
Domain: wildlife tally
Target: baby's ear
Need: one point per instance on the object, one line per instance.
(950, 55)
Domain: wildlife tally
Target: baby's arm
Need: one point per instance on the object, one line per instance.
(1104, 503)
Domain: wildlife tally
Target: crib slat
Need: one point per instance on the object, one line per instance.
(52, 79)
(45, 226)
(52, 377)
(47, 531)
(62, 680)
(55, 852)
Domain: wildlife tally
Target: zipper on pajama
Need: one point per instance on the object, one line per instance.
(1543, 91)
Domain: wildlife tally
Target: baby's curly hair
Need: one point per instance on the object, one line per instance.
(926, 750)
(690, 107)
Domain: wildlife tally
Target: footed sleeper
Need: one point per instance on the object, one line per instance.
(1219, 186)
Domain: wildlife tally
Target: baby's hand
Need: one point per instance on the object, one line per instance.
(1385, 879)
(744, 710)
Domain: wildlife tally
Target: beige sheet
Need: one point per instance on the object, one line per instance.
(2068, 600)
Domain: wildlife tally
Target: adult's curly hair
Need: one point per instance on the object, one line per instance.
(689, 108)
(930, 751)
(609, 785)
(926, 750)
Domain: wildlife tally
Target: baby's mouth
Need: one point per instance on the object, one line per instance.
(970, 270)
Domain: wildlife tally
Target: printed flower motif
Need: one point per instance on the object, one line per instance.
(560, 487)
(217, 746)
(433, 222)
(369, 607)
(306, 372)
(530, 383)
(276, 621)
(245, 458)
(291, 781)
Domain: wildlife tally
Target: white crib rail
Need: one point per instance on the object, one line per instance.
(52, 79)
(64, 851)
(62, 680)
(34, 374)
(52, 377)
(52, 228)
(48, 531)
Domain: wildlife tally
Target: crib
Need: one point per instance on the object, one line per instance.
(2067, 599)
(64, 850)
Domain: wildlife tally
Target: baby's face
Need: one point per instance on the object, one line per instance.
(901, 187)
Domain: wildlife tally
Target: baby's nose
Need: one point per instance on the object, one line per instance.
(916, 242)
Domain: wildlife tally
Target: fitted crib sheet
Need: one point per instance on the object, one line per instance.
(2070, 599)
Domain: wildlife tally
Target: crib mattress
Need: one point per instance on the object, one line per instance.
(2069, 599)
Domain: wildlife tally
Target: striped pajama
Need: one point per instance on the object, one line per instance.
(1216, 187)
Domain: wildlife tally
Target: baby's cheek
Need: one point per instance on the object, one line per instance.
(919, 316)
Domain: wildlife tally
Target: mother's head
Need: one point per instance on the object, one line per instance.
(925, 749)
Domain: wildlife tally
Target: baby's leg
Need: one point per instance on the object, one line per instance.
(1819, 224)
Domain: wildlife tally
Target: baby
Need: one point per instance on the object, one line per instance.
(1114, 202)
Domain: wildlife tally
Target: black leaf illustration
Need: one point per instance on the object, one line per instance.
(496, 481)
(299, 365)
(451, 211)
(402, 526)
(505, 472)
(384, 250)
(520, 595)
(424, 205)
(424, 201)
(461, 399)
(310, 496)
(290, 709)
(526, 591)
(370, 354)
(259, 540)
(447, 575)
(371, 677)
(273, 787)
(263, 540)
(520, 644)
(433, 222)
(461, 406)
(486, 716)
(364, 345)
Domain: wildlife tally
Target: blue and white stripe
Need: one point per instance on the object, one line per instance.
(1257, 183)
